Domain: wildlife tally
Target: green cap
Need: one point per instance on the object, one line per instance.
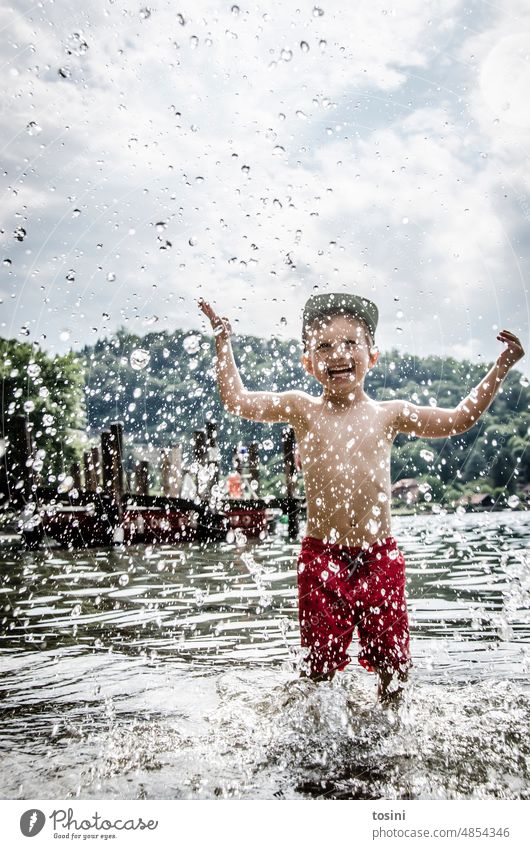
(323, 306)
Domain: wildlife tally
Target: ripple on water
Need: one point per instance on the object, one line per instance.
(181, 683)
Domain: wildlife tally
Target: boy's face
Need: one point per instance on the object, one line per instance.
(338, 353)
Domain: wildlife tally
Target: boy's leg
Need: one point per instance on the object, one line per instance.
(384, 627)
(326, 624)
(390, 689)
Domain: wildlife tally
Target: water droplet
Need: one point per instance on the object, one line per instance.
(70, 275)
(191, 344)
(268, 444)
(286, 55)
(20, 234)
(24, 330)
(123, 580)
(235, 10)
(317, 12)
(180, 19)
(194, 42)
(34, 370)
(304, 47)
(161, 226)
(66, 484)
(278, 150)
(524, 381)
(428, 456)
(139, 359)
(33, 128)
(513, 501)
(65, 73)
(149, 320)
(6, 262)
(29, 406)
(322, 44)
(77, 45)
(111, 277)
(192, 241)
(145, 13)
(245, 169)
(64, 335)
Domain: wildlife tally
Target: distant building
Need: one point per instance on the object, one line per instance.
(477, 500)
(407, 490)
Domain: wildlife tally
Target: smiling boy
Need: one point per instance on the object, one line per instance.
(351, 573)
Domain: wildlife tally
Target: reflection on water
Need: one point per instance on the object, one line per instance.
(171, 672)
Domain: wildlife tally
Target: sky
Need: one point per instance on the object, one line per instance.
(255, 154)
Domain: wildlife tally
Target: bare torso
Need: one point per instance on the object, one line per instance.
(345, 456)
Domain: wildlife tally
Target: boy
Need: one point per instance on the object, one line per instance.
(351, 573)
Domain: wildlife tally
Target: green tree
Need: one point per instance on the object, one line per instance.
(48, 391)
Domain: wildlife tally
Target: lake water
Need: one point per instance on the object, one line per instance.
(171, 672)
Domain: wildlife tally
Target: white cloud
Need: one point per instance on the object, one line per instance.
(274, 168)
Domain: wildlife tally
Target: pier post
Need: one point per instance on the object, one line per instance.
(91, 480)
(141, 475)
(237, 465)
(200, 458)
(116, 432)
(212, 453)
(289, 465)
(253, 467)
(111, 454)
(18, 457)
(171, 471)
(75, 474)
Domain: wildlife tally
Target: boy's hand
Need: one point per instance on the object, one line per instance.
(513, 352)
(220, 326)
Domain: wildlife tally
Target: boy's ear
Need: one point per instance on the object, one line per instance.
(374, 356)
(305, 359)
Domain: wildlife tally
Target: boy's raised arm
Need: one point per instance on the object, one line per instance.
(257, 406)
(436, 422)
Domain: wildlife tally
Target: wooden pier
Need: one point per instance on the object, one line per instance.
(100, 502)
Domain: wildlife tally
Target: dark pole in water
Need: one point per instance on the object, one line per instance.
(75, 474)
(237, 465)
(200, 454)
(141, 475)
(288, 440)
(253, 467)
(113, 476)
(18, 462)
(91, 481)
(116, 432)
(212, 450)
(106, 461)
(96, 463)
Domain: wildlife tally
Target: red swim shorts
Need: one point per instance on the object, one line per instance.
(341, 588)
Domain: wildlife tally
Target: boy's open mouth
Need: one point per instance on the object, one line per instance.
(344, 371)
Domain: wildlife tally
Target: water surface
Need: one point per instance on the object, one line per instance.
(172, 672)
